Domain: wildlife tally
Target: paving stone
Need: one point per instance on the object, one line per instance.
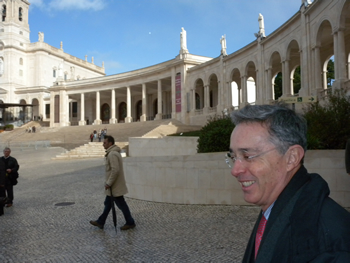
(36, 230)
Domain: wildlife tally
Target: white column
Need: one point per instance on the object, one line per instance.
(244, 91)
(52, 109)
(220, 95)
(318, 69)
(82, 121)
(144, 103)
(64, 109)
(341, 56)
(98, 110)
(269, 96)
(160, 113)
(286, 78)
(336, 57)
(193, 100)
(206, 96)
(112, 120)
(173, 93)
(128, 118)
(229, 95)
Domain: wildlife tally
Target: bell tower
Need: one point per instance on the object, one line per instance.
(14, 40)
(14, 26)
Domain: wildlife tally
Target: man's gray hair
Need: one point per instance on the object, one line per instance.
(286, 128)
(7, 149)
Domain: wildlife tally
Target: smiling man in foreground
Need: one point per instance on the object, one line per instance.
(298, 221)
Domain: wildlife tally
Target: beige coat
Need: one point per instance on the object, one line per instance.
(115, 172)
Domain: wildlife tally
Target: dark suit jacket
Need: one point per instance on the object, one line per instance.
(13, 165)
(347, 156)
(2, 172)
(305, 225)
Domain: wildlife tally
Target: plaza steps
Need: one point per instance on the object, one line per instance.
(89, 150)
(72, 137)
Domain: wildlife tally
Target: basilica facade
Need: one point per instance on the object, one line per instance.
(66, 90)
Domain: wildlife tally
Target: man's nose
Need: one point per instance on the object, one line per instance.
(238, 168)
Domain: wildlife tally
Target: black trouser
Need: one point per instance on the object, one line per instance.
(2, 195)
(9, 191)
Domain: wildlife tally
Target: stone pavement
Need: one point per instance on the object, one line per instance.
(35, 229)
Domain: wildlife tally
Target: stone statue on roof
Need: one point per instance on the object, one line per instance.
(223, 45)
(41, 37)
(261, 26)
(183, 41)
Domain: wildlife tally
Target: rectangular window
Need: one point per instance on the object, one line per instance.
(47, 110)
(54, 73)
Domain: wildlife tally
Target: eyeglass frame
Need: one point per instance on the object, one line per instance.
(243, 159)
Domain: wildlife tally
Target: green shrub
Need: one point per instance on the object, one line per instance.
(215, 135)
(329, 121)
(9, 127)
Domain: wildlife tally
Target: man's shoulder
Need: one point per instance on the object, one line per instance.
(12, 158)
(334, 212)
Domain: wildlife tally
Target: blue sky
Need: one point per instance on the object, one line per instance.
(132, 34)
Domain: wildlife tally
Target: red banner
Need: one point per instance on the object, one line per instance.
(178, 92)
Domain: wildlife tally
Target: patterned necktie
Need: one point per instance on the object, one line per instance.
(259, 234)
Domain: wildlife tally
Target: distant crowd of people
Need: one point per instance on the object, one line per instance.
(31, 129)
(98, 135)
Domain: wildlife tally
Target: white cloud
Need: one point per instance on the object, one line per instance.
(39, 3)
(77, 4)
(94, 5)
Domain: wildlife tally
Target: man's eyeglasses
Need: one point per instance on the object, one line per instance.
(230, 159)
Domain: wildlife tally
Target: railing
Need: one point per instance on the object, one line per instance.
(29, 144)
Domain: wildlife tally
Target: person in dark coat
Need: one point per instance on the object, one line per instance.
(347, 157)
(11, 166)
(2, 186)
(298, 222)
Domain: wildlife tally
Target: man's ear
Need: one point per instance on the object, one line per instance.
(294, 155)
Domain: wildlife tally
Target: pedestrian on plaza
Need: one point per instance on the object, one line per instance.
(347, 157)
(34, 129)
(298, 222)
(2, 186)
(11, 167)
(99, 135)
(115, 184)
(92, 137)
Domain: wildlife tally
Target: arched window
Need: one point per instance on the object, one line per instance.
(20, 15)
(21, 61)
(54, 72)
(3, 13)
(65, 76)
